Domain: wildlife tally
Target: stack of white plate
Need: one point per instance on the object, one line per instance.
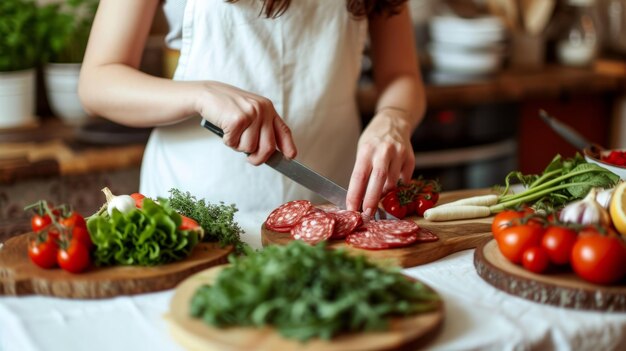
(467, 46)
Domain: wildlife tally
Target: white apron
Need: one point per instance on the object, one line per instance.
(307, 62)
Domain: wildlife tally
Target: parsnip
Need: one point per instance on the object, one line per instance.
(449, 213)
(481, 200)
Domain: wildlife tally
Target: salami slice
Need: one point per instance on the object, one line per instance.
(393, 227)
(424, 235)
(329, 208)
(314, 227)
(372, 241)
(283, 218)
(346, 223)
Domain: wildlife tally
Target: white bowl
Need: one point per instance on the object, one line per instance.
(455, 59)
(476, 32)
(593, 157)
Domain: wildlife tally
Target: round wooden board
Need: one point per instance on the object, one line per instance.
(562, 289)
(404, 333)
(19, 276)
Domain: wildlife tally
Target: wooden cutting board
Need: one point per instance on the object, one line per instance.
(562, 289)
(19, 276)
(453, 236)
(409, 333)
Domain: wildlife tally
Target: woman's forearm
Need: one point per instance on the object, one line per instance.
(133, 98)
(404, 93)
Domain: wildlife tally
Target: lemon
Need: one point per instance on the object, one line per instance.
(617, 209)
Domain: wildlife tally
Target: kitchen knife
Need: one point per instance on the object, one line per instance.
(565, 131)
(304, 176)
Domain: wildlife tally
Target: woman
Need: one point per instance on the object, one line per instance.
(273, 74)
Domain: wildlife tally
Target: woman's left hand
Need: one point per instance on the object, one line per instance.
(384, 155)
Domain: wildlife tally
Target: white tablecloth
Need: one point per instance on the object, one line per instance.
(478, 316)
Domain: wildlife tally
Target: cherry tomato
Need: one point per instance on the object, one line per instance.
(39, 223)
(513, 241)
(535, 259)
(391, 204)
(598, 258)
(188, 223)
(43, 253)
(558, 243)
(73, 220)
(138, 199)
(509, 218)
(74, 258)
(424, 202)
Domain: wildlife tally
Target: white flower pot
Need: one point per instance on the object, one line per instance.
(61, 81)
(17, 98)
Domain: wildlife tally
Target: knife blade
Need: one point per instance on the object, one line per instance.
(304, 176)
(565, 131)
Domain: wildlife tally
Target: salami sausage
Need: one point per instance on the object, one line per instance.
(393, 227)
(346, 223)
(283, 218)
(314, 227)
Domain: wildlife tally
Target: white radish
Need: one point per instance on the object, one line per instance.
(481, 200)
(450, 213)
(123, 203)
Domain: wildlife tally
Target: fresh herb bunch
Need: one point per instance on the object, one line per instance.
(18, 35)
(218, 221)
(563, 181)
(64, 29)
(146, 237)
(309, 291)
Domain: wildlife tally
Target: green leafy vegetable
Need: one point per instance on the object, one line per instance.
(563, 181)
(144, 237)
(18, 35)
(309, 291)
(216, 220)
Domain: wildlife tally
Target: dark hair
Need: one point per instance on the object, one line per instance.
(358, 8)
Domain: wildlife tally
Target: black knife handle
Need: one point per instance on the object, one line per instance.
(212, 127)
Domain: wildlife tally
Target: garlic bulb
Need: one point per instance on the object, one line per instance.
(585, 211)
(123, 203)
(604, 197)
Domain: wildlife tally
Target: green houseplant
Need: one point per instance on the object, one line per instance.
(18, 58)
(65, 27)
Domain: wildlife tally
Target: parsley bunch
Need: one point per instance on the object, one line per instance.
(216, 220)
(309, 291)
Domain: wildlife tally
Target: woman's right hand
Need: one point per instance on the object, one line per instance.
(249, 121)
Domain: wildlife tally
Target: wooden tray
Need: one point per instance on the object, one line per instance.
(405, 333)
(559, 289)
(453, 236)
(19, 276)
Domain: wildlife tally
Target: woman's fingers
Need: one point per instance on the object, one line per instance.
(284, 139)
(267, 141)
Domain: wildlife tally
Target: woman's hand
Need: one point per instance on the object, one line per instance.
(249, 121)
(384, 155)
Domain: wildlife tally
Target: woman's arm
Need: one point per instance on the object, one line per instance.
(385, 153)
(112, 86)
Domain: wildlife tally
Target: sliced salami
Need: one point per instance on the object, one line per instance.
(372, 241)
(393, 227)
(283, 218)
(314, 227)
(329, 208)
(346, 223)
(424, 235)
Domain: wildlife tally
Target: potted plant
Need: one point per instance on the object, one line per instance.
(65, 26)
(18, 58)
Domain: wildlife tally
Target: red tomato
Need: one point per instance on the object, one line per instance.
(513, 241)
(43, 253)
(508, 218)
(391, 204)
(188, 223)
(424, 202)
(138, 199)
(38, 223)
(74, 258)
(535, 259)
(76, 226)
(558, 243)
(73, 220)
(598, 258)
